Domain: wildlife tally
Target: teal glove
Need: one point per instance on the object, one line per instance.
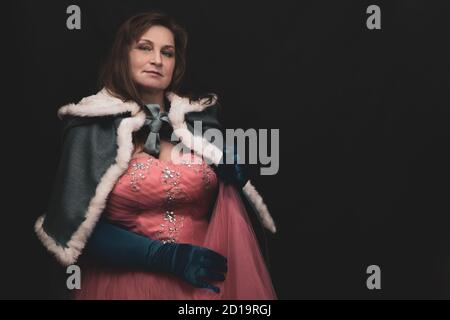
(192, 263)
(116, 246)
(232, 173)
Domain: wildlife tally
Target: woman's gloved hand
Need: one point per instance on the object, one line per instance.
(116, 246)
(230, 170)
(194, 264)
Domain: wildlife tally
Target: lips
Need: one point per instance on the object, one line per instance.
(154, 72)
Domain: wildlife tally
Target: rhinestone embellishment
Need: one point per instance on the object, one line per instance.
(138, 173)
(172, 224)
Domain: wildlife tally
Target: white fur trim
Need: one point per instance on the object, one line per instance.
(257, 201)
(100, 104)
(178, 108)
(199, 144)
(69, 255)
(103, 103)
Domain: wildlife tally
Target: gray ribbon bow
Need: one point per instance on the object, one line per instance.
(154, 123)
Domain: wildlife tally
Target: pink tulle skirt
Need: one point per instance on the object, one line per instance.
(229, 233)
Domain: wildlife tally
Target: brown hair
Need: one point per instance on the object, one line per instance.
(115, 75)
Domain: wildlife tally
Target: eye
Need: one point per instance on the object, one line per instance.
(168, 54)
(144, 48)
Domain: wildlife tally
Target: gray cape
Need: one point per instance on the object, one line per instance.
(97, 147)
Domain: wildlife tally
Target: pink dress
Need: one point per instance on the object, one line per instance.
(183, 203)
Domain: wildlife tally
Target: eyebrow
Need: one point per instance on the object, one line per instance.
(165, 46)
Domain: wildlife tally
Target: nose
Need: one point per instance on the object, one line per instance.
(156, 58)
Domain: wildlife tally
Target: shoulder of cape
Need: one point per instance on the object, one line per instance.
(103, 104)
(210, 117)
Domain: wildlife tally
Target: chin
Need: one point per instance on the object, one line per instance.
(152, 85)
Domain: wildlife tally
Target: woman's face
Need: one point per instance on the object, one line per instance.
(152, 59)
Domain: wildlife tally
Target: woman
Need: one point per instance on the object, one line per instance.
(152, 222)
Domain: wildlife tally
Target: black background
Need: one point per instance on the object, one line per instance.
(363, 118)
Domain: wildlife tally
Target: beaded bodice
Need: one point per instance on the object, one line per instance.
(163, 200)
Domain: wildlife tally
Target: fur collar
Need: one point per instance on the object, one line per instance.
(103, 104)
